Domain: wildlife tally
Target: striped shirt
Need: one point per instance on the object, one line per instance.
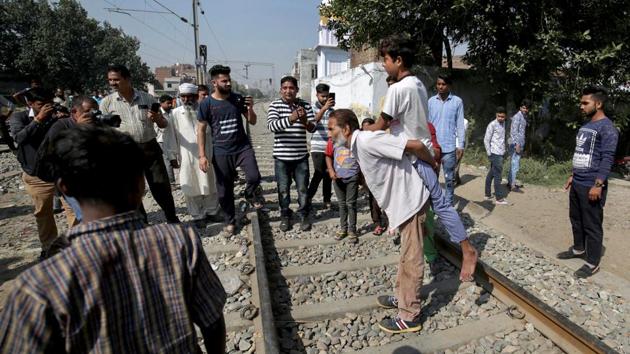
(290, 139)
(120, 287)
(133, 115)
(319, 140)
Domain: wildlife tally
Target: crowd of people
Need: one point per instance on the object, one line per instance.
(116, 283)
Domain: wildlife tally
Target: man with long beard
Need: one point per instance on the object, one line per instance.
(198, 187)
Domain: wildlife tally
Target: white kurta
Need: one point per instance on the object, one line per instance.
(193, 181)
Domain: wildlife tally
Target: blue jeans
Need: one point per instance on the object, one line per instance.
(494, 173)
(286, 171)
(514, 165)
(76, 208)
(441, 207)
(449, 162)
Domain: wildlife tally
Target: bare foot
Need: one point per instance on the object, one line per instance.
(469, 261)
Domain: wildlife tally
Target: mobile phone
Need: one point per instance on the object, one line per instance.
(331, 95)
(143, 106)
(155, 107)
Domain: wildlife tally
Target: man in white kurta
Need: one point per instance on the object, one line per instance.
(198, 187)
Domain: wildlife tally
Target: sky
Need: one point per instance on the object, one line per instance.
(266, 31)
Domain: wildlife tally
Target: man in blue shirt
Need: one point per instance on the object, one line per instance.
(595, 147)
(446, 113)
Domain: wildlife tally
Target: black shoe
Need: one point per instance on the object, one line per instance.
(397, 240)
(397, 325)
(586, 271)
(387, 301)
(173, 221)
(305, 224)
(285, 224)
(570, 254)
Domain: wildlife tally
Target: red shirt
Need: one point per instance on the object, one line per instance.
(437, 150)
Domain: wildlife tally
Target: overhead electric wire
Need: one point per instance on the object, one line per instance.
(205, 17)
(171, 11)
(171, 23)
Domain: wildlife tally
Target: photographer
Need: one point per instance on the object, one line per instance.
(119, 284)
(29, 129)
(139, 112)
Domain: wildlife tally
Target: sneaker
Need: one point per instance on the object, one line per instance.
(387, 301)
(398, 325)
(517, 189)
(340, 235)
(501, 201)
(378, 230)
(353, 237)
(586, 271)
(570, 254)
(285, 224)
(305, 224)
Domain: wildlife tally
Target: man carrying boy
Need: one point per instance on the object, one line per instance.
(322, 109)
(344, 172)
(399, 190)
(405, 114)
(494, 140)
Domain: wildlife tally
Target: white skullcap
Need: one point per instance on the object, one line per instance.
(187, 89)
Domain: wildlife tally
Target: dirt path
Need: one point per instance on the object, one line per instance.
(539, 218)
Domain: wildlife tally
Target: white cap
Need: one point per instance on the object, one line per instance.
(187, 89)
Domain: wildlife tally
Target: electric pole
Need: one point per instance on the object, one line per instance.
(196, 31)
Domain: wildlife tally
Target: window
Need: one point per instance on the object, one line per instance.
(169, 85)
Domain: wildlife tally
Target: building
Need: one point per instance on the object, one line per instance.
(330, 58)
(305, 70)
(185, 72)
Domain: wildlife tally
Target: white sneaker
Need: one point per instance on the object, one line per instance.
(501, 202)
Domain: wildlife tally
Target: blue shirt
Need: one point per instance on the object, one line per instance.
(595, 147)
(448, 119)
(226, 122)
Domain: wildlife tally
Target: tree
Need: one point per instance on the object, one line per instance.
(546, 50)
(63, 46)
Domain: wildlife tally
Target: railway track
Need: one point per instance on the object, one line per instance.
(312, 294)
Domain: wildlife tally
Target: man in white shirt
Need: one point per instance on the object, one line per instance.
(399, 190)
(166, 107)
(198, 186)
(494, 141)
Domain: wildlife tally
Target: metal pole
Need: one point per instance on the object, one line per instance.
(196, 31)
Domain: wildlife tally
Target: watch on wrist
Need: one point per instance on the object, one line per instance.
(599, 184)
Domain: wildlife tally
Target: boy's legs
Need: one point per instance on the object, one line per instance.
(497, 168)
(340, 191)
(352, 190)
(319, 175)
(430, 252)
(442, 208)
(449, 160)
(488, 185)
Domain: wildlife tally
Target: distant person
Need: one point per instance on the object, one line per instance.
(21, 97)
(494, 141)
(344, 173)
(6, 109)
(228, 144)
(595, 147)
(517, 143)
(60, 97)
(394, 181)
(289, 118)
(322, 109)
(197, 186)
(446, 113)
(203, 92)
(164, 134)
(119, 286)
(138, 118)
(29, 129)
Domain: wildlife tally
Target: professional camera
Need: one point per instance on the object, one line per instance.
(110, 120)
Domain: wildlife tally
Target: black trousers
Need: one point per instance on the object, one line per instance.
(225, 173)
(157, 178)
(586, 221)
(6, 136)
(320, 175)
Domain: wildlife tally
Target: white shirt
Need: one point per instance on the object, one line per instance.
(389, 174)
(406, 103)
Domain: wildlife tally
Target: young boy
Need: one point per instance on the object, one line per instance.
(319, 140)
(494, 140)
(378, 216)
(344, 172)
(404, 113)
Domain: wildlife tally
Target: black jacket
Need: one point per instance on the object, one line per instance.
(28, 134)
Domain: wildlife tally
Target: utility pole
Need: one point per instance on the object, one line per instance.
(247, 71)
(196, 31)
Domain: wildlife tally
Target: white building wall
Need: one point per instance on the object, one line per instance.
(361, 89)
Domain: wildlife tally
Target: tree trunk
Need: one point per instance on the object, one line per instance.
(449, 55)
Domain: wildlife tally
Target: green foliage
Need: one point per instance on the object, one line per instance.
(544, 50)
(63, 46)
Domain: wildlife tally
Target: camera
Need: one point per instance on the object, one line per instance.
(110, 120)
(58, 108)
